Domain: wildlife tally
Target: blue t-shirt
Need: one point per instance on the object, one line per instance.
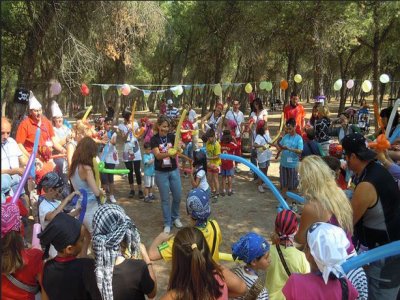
(290, 159)
(148, 168)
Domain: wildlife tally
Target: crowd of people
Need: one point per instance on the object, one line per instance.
(91, 249)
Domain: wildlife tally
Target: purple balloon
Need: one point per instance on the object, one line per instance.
(55, 88)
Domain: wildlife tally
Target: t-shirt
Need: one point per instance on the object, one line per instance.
(290, 159)
(148, 168)
(28, 274)
(74, 279)
(27, 130)
(172, 112)
(131, 280)
(250, 279)
(110, 151)
(213, 149)
(228, 148)
(62, 132)
(192, 116)
(257, 118)
(311, 286)
(187, 136)
(131, 145)
(45, 207)
(10, 154)
(163, 108)
(322, 130)
(263, 155)
(110, 112)
(163, 144)
(165, 248)
(276, 274)
(201, 174)
(238, 117)
(296, 113)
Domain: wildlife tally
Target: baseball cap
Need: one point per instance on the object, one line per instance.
(357, 144)
(169, 102)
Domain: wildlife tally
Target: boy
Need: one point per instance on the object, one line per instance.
(66, 276)
(186, 133)
(149, 173)
(227, 170)
(213, 149)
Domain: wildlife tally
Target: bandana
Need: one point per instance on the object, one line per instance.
(328, 244)
(45, 152)
(111, 226)
(50, 180)
(286, 226)
(198, 205)
(249, 247)
(61, 232)
(10, 218)
(232, 124)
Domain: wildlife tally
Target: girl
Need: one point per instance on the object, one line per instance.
(261, 144)
(207, 280)
(199, 176)
(213, 149)
(227, 170)
(167, 174)
(213, 119)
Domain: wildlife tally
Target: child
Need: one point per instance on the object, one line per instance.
(66, 276)
(213, 149)
(149, 173)
(326, 251)
(199, 176)
(253, 249)
(186, 134)
(227, 170)
(261, 144)
(311, 147)
(285, 258)
(148, 129)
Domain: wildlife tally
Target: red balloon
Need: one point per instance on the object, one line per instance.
(84, 89)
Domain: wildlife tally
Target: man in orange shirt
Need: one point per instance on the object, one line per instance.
(27, 130)
(296, 111)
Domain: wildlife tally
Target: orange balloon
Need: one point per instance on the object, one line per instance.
(284, 84)
(141, 131)
(381, 143)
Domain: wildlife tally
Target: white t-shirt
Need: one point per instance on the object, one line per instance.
(203, 180)
(238, 117)
(263, 155)
(62, 132)
(111, 151)
(257, 118)
(192, 116)
(132, 143)
(44, 208)
(10, 154)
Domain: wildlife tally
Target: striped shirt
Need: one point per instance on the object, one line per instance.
(250, 279)
(172, 113)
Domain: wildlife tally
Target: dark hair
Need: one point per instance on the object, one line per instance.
(291, 122)
(12, 245)
(293, 94)
(108, 119)
(147, 145)
(332, 162)
(386, 112)
(126, 115)
(260, 129)
(191, 255)
(84, 153)
(226, 137)
(210, 133)
(260, 105)
(199, 159)
(310, 133)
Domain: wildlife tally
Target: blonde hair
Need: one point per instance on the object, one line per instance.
(318, 185)
(324, 110)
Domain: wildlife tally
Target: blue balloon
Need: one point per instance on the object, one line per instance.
(295, 197)
(105, 152)
(74, 201)
(372, 255)
(67, 123)
(260, 174)
(34, 152)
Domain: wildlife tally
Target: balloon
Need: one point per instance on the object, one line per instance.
(372, 255)
(248, 88)
(35, 240)
(225, 256)
(381, 144)
(74, 201)
(218, 90)
(35, 149)
(350, 84)
(296, 197)
(391, 118)
(263, 85)
(280, 128)
(67, 123)
(84, 89)
(102, 169)
(87, 113)
(97, 177)
(105, 152)
(298, 78)
(366, 86)
(125, 89)
(284, 84)
(172, 151)
(268, 86)
(338, 85)
(178, 131)
(384, 78)
(141, 131)
(260, 174)
(55, 89)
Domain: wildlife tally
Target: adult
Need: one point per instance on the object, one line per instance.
(27, 130)
(376, 214)
(172, 112)
(13, 160)
(192, 117)
(237, 116)
(167, 175)
(116, 241)
(21, 269)
(296, 111)
(321, 128)
(394, 134)
(213, 119)
(131, 154)
(207, 280)
(345, 128)
(110, 112)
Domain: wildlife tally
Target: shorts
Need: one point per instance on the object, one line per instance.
(148, 181)
(238, 151)
(229, 172)
(188, 151)
(107, 178)
(288, 178)
(263, 165)
(214, 171)
(91, 208)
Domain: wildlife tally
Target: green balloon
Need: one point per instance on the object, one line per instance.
(268, 86)
(263, 85)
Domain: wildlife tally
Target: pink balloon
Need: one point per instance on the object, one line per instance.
(350, 83)
(125, 89)
(55, 88)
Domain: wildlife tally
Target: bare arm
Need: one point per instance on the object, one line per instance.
(50, 215)
(89, 177)
(160, 155)
(236, 286)
(57, 146)
(154, 254)
(24, 151)
(147, 260)
(364, 197)
(308, 217)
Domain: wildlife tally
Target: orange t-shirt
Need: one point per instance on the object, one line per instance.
(27, 130)
(296, 113)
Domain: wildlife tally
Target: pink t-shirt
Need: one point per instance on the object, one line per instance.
(312, 287)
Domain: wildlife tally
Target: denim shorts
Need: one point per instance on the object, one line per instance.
(263, 165)
(230, 172)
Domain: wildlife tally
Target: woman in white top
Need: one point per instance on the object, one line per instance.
(213, 119)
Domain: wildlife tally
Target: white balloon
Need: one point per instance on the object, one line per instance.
(350, 84)
(384, 78)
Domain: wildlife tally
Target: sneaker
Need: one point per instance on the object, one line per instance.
(112, 199)
(230, 193)
(261, 189)
(223, 193)
(147, 199)
(141, 195)
(153, 197)
(167, 229)
(131, 194)
(178, 223)
(264, 186)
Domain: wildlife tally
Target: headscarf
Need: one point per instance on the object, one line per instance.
(10, 218)
(286, 226)
(61, 232)
(328, 244)
(111, 226)
(50, 180)
(249, 247)
(198, 206)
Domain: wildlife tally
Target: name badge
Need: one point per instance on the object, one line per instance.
(166, 162)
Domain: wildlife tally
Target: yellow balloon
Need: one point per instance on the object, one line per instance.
(248, 88)
(225, 256)
(298, 78)
(218, 90)
(366, 86)
(172, 151)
